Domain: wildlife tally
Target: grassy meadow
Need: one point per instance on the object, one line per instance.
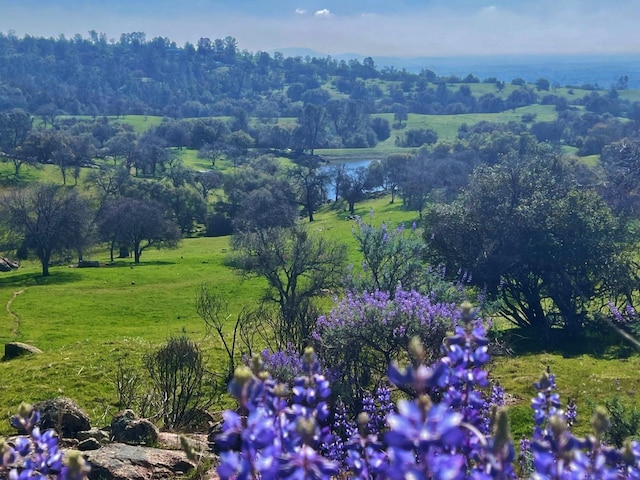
(87, 320)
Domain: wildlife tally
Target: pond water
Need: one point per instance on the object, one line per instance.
(351, 165)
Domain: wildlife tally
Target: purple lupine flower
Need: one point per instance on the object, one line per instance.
(277, 439)
(451, 439)
(38, 456)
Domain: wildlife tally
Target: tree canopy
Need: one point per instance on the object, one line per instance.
(48, 219)
(526, 232)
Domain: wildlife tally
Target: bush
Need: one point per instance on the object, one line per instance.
(364, 332)
(218, 225)
(624, 422)
(178, 374)
(392, 257)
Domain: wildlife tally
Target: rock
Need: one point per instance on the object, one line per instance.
(15, 349)
(127, 427)
(7, 265)
(63, 415)
(88, 444)
(172, 441)
(88, 264)
(118, 461)
(95, 433)
(199, 420)
(214, 431)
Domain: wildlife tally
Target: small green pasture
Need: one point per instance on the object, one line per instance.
(447, 125)
(586, 378)
(34, 174)
(140, 123)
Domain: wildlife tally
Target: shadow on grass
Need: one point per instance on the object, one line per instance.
(29, 279)
(596, 340)
(130, 264)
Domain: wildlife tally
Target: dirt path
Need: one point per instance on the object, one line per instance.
(14, 315)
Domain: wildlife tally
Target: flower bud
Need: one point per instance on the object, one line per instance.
(25, 410)
(544, 383)
(558, 425)
(309, 355)
(187, 448)
(242, 375)
(306, 428)
(502, 430)
(600, 421)
(76, 462)
(467, 310)
(256, 363)
(281, 390)
(425, 402)
(362, 420)
(628, 455)
(416, 349)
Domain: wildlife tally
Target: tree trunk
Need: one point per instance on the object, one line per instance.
(45, 265)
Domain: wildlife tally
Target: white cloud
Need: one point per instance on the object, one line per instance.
(300, 11)
(325, 12)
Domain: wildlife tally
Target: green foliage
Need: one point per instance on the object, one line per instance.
(624, 421)
(392, 257)
(49, 220)
(524, 230)
(298, 266)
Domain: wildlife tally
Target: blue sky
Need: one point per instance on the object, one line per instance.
(368, 27)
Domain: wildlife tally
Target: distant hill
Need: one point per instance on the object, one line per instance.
(561, 70)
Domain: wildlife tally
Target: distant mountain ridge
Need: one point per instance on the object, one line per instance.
(561, 70)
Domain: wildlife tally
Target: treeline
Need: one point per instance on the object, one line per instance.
(94, 76)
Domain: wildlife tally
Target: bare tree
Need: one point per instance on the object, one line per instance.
(178, 374)
(298, 267)
(250, 327)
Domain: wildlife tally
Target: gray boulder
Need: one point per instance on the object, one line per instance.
(127, 427)
(63, 415)
(95, 433)
(7, 265)
(118, 461)
(16, 349)
(88, 444)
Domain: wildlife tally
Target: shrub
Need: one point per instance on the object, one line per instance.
(364, 332)
(624, 421)
(392, 256)
(178, 374)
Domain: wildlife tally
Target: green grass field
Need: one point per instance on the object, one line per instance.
(140, 123)
(85, 320)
